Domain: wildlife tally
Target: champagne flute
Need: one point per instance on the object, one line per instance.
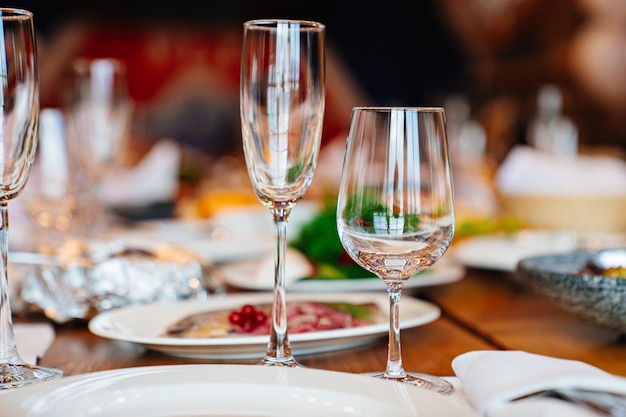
(395, 210)
(282, 106)
(18, 142)
(100, 117)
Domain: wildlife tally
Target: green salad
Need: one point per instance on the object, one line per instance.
(319, 241)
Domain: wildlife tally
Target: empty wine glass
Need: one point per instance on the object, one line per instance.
(100, 116)
(52, 198)
(282, 106)
(395, 210)
(18, 142)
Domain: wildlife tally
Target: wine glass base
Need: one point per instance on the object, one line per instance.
(429, 382)
(288, 362)
(14, 375)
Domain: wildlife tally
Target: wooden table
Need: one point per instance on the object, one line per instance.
(484, 310)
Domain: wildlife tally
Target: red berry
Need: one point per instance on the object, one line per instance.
(248, 310)
(260, 318)
(247, 326)
(248, 318)
(236, 317)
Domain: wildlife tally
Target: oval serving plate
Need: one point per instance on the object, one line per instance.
(144, 325)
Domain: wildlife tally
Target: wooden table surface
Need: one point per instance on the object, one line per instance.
(483, 310)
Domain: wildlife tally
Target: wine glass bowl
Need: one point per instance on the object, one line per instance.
(282, 97)
(395, 211)
(99, 121)
(52, 197)
(18, 141)
(101, 110)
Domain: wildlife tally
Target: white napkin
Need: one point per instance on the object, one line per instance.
(529, 171)
(33, 339)
(153, 180)
(492, 379)
(297, 266)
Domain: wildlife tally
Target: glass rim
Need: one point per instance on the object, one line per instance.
(272, 23)
(15, 13)
(423, 109)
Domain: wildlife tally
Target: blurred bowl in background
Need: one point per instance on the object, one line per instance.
(573, 213)
(579, 282)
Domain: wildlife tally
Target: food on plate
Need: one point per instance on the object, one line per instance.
(467, 227)
(210, 203)
(297, 267)
(612, 271)
(319, 241)
(303, 316)
(608, 263)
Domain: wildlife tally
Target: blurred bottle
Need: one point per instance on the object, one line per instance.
(550, 131)
(468, 140)
(472, 169)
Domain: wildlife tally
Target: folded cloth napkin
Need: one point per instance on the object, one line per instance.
(33, 339)
(529, 171)
(492, 380)
(153, 180)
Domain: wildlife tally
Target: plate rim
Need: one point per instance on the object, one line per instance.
(443, 272)
(118, 381)
(519, 244)
(103, 324)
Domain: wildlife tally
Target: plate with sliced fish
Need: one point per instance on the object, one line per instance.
(236, 326)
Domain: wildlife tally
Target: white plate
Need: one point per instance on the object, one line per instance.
(143, 324)
(503, 252)
(239, 235)
(227, 390)
(245, 275)
(228, 236)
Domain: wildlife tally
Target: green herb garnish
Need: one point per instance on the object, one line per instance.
(319, 241)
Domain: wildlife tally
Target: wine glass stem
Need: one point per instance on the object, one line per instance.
(8, 347)
(395, 368)
(278, 349)
(96, 221)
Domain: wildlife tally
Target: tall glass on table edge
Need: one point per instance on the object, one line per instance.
(18, 141)
(282, 99)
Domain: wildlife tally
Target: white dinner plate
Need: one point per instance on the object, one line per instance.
(144, 325)
(245, 275)
(503, 252)
(231, 235)
(234, 236)
(227, 390)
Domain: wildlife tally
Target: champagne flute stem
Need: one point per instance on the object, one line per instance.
(8, 348)
(96, 220)
(279, 350)
(395, 368)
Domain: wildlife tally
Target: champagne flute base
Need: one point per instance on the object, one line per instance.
(429, 382)
(15, 375)
(288, 362)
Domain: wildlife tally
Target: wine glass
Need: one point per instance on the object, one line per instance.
(52, 197)
(282, 106)
(18, 142)
(100, 114)
(395, 210)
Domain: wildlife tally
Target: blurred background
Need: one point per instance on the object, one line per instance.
(486, 61)
(183, 59)
(534, 93)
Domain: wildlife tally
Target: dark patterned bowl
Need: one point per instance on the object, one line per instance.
(567, 280)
